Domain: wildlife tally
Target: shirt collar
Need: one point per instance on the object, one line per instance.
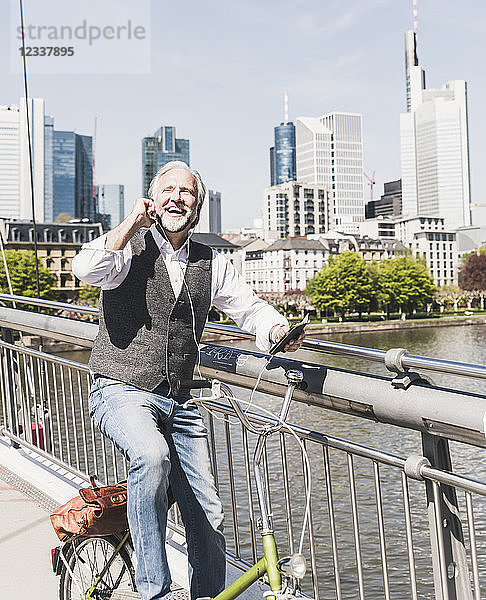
(165, 246)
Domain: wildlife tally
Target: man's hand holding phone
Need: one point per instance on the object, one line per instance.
(141, 215)
(144, 211)
(288, 339)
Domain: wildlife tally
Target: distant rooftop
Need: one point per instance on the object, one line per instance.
(213, 240)
(295, 243)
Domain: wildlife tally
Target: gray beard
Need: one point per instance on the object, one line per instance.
(175, 225)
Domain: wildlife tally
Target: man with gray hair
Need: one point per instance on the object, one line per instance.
(157, 288)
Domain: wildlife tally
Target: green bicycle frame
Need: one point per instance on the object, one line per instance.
(88, 594)
(268, 564)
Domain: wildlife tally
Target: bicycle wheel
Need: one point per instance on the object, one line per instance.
(86, 558)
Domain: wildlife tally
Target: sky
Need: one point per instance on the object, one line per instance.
(218, 70)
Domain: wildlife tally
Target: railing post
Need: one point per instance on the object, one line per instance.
(449, 560)
(11, 419)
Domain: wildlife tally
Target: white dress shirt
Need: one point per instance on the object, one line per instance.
(100, 266)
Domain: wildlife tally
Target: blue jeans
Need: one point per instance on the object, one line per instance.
(166, 442)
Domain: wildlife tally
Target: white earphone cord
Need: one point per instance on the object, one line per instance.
(250, 403)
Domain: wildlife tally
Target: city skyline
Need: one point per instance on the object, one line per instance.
(233, 98)
(434, 143)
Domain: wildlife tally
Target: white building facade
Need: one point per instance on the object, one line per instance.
(329, 152)
(435, 148)
(425, 237)
(285, 265)
(296, 209)
(15, 179)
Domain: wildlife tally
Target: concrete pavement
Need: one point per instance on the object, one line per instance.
(26, 539)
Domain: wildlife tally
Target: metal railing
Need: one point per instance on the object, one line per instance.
(399, 359)
(381, 525)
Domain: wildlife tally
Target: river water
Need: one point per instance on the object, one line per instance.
(463, 343)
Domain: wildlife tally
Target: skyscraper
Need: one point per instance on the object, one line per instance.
(9, 161)
(110, 204)
(73, 175)
(210, 217)
(329, 152)
(414, 74)
(282, 153)
(159, 149)
(434, 146)
(48, 168)
(15, 183)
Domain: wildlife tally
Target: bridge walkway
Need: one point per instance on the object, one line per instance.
(26, 539)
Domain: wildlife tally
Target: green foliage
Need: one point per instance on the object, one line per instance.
(309, 287)
(404, 283)
(449, 295)
(89, 295)
(346, 284)
(21, 266)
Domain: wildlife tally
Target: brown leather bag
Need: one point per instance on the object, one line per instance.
(97, 511)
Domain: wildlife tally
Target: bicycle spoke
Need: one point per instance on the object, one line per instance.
(77, 567)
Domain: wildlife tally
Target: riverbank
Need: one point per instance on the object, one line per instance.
(312, 329)
(363, 326)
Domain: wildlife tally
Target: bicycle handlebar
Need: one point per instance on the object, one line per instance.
(294, 379)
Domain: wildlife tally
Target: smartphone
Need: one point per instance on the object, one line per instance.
(154, 216)
(294, 332)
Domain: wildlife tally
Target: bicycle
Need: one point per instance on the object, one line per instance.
(102, 567)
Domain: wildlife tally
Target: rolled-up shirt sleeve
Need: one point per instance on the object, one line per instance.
(234, 296)
(100, 266)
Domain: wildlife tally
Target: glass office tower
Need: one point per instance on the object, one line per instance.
(110, 202)
(158, 150)
(282, 154)
(73, 175)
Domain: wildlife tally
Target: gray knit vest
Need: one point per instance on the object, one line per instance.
(146, 335)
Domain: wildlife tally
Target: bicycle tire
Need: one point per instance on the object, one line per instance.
(86, 558)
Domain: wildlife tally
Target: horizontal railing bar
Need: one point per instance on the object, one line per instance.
(73, 331)
(44, 356)
(444, 366)
(367, 396)
(314, 436)
(15, 438)
(458, 481)
(42, 302)
(371, 354)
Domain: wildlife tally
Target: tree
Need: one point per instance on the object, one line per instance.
(89, 295)
(404, 284)
(346, 284)
(473, 273)
(449, 295)
(21, 267)
(291, 302)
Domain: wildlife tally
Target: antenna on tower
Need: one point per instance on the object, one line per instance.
(93, 159)
(286, 107)
(415, 16)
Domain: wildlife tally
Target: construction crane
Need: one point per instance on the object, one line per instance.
(371, 183)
